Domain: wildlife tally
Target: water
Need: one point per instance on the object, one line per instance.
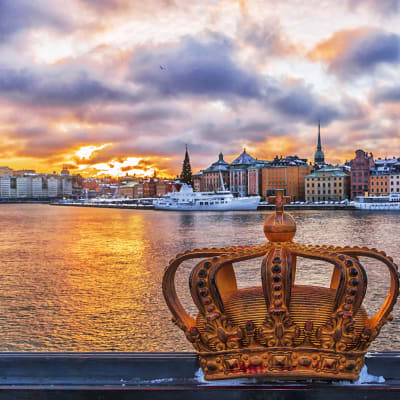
(77, 279)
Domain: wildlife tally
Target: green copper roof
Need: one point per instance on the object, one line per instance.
(327, 171)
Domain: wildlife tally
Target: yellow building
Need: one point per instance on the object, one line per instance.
(327, 184)
(379, 184)
(289, 177)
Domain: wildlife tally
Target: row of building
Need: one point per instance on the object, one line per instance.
(302, 181)
(245, 176)
(27, 184)
(34, 186)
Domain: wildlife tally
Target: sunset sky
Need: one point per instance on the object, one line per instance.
(117, 86)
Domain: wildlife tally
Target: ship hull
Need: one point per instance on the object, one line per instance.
(237, 204)
(377, 206)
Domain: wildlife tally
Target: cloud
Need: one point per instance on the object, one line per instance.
(207, 69)
(358, 51)
(266, 37)
(116, 6)
(58, 88)
(383, 7)
(19, 15)
(195, 67)
(387, 94)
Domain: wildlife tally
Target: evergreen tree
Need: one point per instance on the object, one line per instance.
(186, 174)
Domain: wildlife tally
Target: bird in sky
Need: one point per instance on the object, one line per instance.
(161, 67)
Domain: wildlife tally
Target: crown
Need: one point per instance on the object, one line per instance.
(279, 330)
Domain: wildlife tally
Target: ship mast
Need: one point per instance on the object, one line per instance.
(222, 181)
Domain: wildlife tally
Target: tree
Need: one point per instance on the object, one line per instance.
(186, 174)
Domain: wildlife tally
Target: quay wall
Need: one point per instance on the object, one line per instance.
(260, 207)
(169, 376)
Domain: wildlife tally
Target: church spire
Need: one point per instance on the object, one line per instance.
(319, 148)
(319, 157)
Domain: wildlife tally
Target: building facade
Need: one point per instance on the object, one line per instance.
(238, 173)
(327, 184)
(216, 176)
(127, 190)
(285, 173)
(394, 186)
(24, 187)
(379, 184)
(254, 179)
(196, 180)
(360, 173)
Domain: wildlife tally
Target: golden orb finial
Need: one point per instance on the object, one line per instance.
(279, 226)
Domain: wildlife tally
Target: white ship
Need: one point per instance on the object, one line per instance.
(187, 200)
(391, 202)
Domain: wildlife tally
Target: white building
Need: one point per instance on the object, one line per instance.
(39, 187)
(5, 187)
(53, 187)
(394, 182)
(8, 187)
(24, 187)
(67, 186)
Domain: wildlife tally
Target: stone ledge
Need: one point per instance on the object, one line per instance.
(164, 376)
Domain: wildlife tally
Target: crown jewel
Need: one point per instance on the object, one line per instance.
(279, 330)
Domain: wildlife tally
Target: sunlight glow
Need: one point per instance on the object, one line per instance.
(85, 152)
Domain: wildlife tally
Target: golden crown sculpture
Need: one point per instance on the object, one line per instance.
(280, 330)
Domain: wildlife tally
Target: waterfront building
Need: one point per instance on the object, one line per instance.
(39, 187)
(360, 173)
(394, 185)
(127, 190)
(66, 184)
(211, 177)
(379, 184)
(196, 180)
(161, 188)
(5, 186)
(319, 157)
(6, 171)
(285, 173)
(24, 187)
(53, 187)
(238, 173)
(138, 191)
(254, 179)
(327, 184)
(149, 188)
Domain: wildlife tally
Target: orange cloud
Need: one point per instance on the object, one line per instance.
(339, 43)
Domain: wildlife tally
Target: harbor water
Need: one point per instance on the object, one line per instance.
(89, 279)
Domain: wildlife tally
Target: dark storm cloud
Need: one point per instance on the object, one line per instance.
(18, 15)
(194, 67)
(50, 88)
(207, 69)
(367, 52)
(299, 103)
(139, 116)
(387, 95)
(230, 131)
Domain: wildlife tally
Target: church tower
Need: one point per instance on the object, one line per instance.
(319, 158)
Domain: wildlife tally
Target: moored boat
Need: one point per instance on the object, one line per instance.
(391, 202)
(188, 200)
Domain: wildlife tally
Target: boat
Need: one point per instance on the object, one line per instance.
(188, 200)
(391, 202)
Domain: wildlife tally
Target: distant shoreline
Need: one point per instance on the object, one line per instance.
(271, 207)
